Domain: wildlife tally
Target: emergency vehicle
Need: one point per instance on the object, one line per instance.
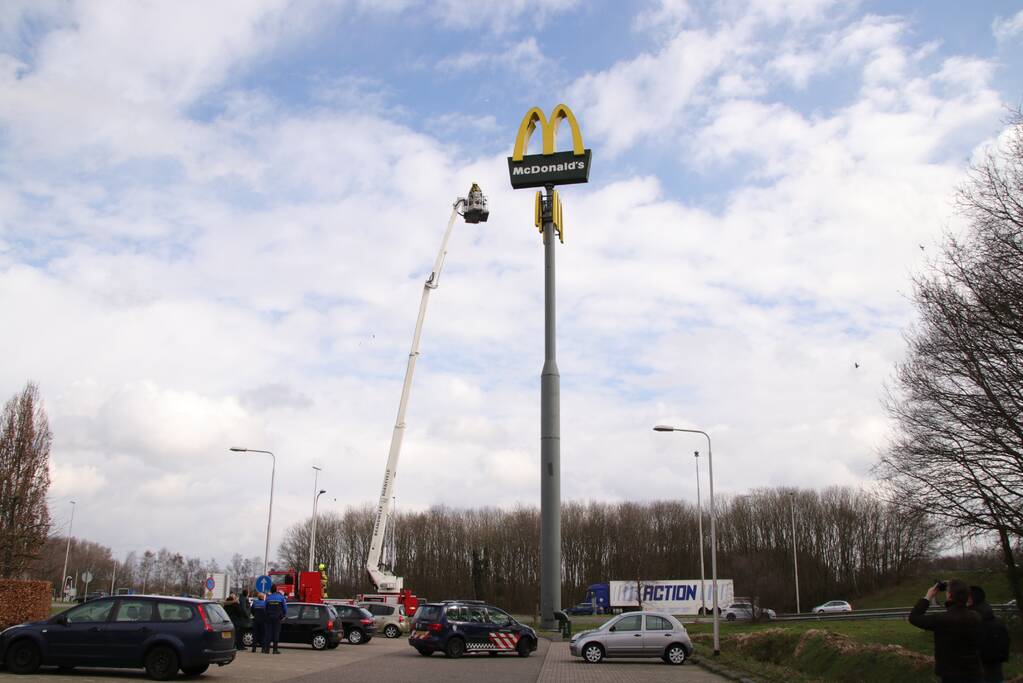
(467, 626)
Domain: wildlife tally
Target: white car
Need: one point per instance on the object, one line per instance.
(745, 610)
(833, 606)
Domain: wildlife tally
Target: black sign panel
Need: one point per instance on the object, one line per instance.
(560, 168)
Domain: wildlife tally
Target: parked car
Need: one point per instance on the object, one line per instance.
(94, 595)
(312, 624)
(389, 619)
(155, 633)
(462, 626)
(746, 610)
(635, 634)
(832, 606)
(357, 624)
(582, 608)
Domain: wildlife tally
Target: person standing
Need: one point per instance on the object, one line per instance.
(956, 633)
(276, 610)
(259, 622)
(245, 611)
(994, 637)
(233, 609)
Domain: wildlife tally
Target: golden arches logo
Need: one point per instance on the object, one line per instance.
(548, 131)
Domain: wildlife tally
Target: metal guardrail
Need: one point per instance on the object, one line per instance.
(855, 615)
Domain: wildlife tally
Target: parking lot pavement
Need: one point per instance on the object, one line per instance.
(562, 666)
(393, 660)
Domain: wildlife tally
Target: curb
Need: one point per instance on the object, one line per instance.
(726, 672)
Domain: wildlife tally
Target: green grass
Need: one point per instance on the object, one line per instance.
(806, 651)
(995, 584)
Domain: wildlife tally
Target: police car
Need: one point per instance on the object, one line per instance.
(460, 626)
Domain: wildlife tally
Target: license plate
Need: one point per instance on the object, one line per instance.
(226, 635)
(419, 634)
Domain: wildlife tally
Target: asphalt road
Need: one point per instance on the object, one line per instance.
(393, 660)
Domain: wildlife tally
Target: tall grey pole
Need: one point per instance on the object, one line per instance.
(550, 438)
(270, 512)
(713, 529)
(699, 512)
(312, 535)
(67, 552)
(713, 548)
(795, 562)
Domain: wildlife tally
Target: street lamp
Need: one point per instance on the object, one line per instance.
(713, 529)
(312, 536)
(270, 513)
(67, 553)
(795, 562)
(699, 512)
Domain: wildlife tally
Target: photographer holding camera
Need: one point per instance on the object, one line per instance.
(956, 633)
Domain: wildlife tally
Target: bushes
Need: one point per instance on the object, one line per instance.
(22, 601)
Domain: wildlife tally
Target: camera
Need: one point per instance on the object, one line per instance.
(942, 585)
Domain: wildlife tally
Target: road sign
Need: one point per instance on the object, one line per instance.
(263, 584)
(86, 576)
(210, 583)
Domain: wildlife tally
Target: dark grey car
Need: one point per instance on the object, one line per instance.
(635, 634)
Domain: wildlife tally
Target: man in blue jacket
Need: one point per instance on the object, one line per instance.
(276, 610)
(259, 622)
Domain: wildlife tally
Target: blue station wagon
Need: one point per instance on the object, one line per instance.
(156, 633)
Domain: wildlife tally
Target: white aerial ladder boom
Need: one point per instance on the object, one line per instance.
(474, 210)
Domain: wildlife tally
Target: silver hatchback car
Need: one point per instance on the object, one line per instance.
(635, 634)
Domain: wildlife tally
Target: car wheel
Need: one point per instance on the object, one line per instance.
(593, 653)
(675, 654)
(730, 617)
(392, 631)
(23, 657)
(356, 636)
(455, 648)
(425, 653)
(319, 642)
(248, 639)
(195, 670)
(522, 648)
(161, 663)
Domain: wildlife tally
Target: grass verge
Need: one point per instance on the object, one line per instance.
(884, 651)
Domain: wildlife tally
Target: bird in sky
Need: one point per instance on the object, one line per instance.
(857, 365)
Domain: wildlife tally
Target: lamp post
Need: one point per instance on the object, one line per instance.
(67, 553)
(795, 562)
(312, 536)
(270, 512)
(699, 512)
(316, 487)
(713, 531)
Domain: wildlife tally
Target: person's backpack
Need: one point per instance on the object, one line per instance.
(994, 642)
(274, 609)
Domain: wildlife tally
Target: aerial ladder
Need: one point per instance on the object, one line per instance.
(390, 587)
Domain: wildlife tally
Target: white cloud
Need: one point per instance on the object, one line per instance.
(1006, 30)
(262, 292)
(69, 480)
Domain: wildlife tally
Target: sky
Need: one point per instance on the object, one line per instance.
(216, 220)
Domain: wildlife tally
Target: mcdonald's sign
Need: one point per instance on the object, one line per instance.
(551, 167)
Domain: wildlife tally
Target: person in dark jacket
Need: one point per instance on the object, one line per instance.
(994, 637)
(259, 623)
(276, 610)
(956, 633)
(233, 609)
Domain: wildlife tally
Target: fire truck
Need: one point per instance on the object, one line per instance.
(300, 586)
(390, 587)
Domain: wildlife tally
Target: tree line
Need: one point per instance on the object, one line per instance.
(957, 398)
(847, 543)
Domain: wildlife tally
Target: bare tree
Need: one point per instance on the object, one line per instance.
(958, 400)
(25, 440)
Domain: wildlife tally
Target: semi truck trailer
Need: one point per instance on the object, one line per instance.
(673, 596)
